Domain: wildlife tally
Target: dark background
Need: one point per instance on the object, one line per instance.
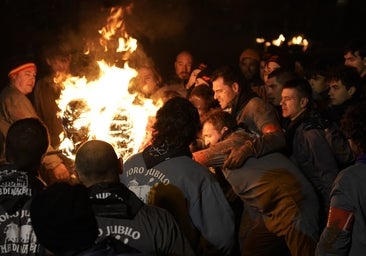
(215, 31)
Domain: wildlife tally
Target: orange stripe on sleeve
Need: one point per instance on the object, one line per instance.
(269, 128)
(340, 219)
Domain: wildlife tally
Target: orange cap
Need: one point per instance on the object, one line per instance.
(22, 67)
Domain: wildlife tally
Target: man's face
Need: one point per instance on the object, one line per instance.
(318, 83)
(25, 80)
(210, 134)
(273, 90)
(249, 67)
(201, 105)
(268, 68)
(60, 64)
(147, 81)
(292, 104)
(183, 65)
(224, 93)
(354, 60)
(338, 93)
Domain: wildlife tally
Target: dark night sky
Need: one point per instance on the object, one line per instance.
(214, 30)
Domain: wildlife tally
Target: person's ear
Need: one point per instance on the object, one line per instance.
(223, 130)
(351, 90)
(304, 102)
(235, 87)
(120, 163)
(364, 61)
(48, 61)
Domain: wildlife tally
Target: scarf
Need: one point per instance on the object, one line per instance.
(154, 155)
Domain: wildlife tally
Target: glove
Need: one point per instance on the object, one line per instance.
(239, 155)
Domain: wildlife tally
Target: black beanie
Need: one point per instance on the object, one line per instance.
(63, 219)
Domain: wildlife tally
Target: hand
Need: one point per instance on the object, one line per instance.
(61, 172)
(238, 156)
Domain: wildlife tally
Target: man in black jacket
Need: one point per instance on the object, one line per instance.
(26, 143)
(120, 213)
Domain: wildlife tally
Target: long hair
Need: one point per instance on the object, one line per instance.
(177, 123)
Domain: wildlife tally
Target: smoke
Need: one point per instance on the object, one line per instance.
(147, 21)
(158, 19)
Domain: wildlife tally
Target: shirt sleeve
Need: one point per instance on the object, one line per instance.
(336, 236)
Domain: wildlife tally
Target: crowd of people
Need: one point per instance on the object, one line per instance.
(261, 157)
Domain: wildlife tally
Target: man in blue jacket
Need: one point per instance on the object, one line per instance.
(168, 161)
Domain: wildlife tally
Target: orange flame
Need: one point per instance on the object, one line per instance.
(104, 109)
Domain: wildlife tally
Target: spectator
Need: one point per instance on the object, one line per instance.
(249, 62)
(355, 56)
(250, 111)
(26, 143)
(345, 232)
(47, 90)
(182, 68)
(147, 81)
(317, 76)
(120, 213)
(276, 217)
(169, 161)
(199, 75)
(175, 84)
(307, 145)
(63, 220)
(202, 97)
(15, 105)
(58, 57)
(274, 84)
(216, 126)
(344, 84)
(277, 60)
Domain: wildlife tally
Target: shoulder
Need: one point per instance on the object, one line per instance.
(257, 104)
(42, 85)
(350, 181)
(9, 91)
(183, 163)
(351, 174)
(133, 158)
(196, 169)
(350, 184)
(152, 213)
(12, 97)
(256, 101)
(311, 131)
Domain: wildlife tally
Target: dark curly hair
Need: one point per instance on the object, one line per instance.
(353, 124)
(177, 123)
(347, 75)
(220, 118)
